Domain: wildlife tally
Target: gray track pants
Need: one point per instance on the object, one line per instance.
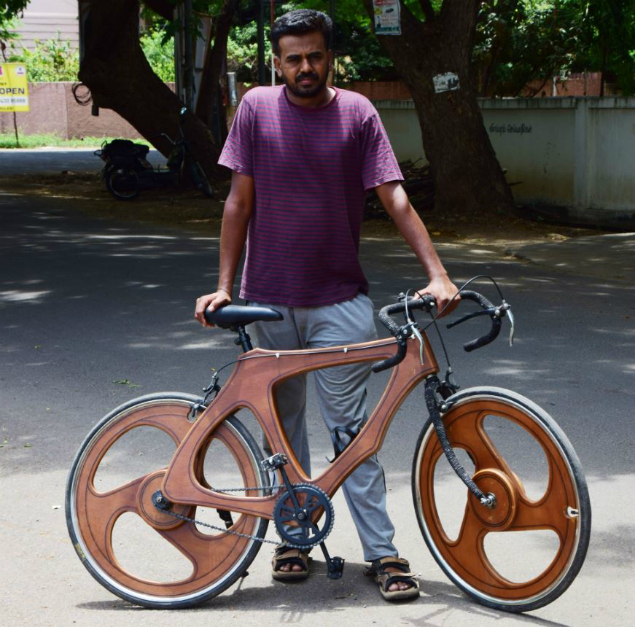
(342, 399)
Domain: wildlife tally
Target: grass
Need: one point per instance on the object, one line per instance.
(7, 140)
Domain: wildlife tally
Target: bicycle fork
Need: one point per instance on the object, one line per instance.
(436, 394)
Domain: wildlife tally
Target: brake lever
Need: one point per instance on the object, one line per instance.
(417, 334)
(413, 326)
(512, 322)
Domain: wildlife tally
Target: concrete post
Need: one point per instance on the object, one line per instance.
(584, 158)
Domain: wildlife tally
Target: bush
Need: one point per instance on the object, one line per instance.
(50, 61)
(56, 60)
(160, 54)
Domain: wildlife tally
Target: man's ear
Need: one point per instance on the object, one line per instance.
(276, 64)
(330, 59)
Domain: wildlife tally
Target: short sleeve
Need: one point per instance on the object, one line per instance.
(237, 153)
(379, 164)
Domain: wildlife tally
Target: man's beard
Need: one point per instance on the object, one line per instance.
(305, 92)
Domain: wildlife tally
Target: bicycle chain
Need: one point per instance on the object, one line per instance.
(247, 535)
(224, 529)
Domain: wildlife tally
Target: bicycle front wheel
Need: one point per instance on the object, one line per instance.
(135, 550)
(517, 452)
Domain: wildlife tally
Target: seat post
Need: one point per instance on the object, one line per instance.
(243, 338)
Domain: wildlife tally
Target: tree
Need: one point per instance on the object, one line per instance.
(518, 41)
(120, 78)
(9, 9)
(466, 172)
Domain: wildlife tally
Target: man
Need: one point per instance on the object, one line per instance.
(303, 156)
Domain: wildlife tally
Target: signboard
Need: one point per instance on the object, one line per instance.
(14, 89)
(387, 17)
(445, 82)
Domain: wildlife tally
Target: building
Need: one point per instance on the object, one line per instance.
(48, 19)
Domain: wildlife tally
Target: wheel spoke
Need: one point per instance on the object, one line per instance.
(468, 433)
(468, 550)
(103, 509)
(208, 552)
(550, 512)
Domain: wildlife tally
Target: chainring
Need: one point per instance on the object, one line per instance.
(295, 525)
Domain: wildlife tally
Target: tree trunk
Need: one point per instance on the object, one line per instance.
(466, 173)
(119, 77)
(210, 89)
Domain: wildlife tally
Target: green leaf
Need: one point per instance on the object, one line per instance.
(126, 382)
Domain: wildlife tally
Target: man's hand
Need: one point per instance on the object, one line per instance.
(443, 290)
(213, 301)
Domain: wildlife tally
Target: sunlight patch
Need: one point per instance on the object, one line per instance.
(15, 296)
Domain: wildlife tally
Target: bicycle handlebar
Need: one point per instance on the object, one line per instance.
(401, 333)
(495, 313)
(427, 302)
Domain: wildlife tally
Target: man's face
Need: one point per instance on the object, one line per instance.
(304, 63)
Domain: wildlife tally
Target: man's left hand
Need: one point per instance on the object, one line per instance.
(443, 291)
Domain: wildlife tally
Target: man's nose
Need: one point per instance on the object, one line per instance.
(305, 66)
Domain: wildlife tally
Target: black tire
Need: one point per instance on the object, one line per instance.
(468, 406)
(122, 183)
(168, 599)
(200, 180)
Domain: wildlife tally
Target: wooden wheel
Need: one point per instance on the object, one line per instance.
(140, 553)
(497, 429)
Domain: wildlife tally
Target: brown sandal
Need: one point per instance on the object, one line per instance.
(385, 579)
(287, 555)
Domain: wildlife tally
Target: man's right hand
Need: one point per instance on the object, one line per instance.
(213, 301)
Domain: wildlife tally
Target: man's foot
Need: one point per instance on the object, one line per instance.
(396, 582)
(288, 563)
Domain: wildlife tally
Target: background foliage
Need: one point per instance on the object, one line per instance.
(517, 41)
(56, 60)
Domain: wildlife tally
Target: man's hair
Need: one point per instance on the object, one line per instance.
(300, 22)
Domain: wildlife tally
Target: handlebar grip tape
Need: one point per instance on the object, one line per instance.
(393, 327)
(496, 322)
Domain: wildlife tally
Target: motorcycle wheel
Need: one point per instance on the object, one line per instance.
(122, 183)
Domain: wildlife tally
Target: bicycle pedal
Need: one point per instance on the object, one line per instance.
(274, 462)
(335, 567)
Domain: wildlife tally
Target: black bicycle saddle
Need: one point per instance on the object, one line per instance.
(231, 316)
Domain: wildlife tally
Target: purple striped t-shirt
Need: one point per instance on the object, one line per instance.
(311, 168)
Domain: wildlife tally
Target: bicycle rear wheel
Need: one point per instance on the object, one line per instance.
(200, 180)
(518, 453)
(122, 183)
(139, 553)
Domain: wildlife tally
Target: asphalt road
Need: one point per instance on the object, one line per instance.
(93, 313)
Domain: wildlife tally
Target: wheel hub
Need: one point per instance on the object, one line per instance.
(152, 505)
(502, 514)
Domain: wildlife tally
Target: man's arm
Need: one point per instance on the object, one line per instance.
(395, 200)
(236, 216)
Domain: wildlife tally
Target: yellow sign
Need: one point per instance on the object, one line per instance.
(14, 89)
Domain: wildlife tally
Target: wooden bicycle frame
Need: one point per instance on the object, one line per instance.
(251, 386)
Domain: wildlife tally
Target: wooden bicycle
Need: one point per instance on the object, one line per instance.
(217, 470)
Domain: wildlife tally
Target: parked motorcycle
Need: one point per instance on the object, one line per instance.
(127, 170)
